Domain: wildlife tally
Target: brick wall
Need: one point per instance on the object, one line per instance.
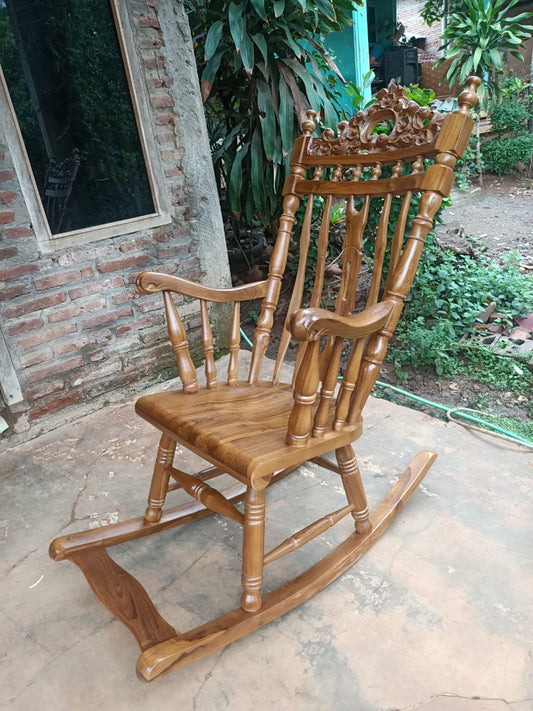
(77, 332)
(408, 13)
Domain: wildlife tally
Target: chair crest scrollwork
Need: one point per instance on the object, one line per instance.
(410, 125)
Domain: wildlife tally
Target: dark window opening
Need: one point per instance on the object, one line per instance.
(66, 77)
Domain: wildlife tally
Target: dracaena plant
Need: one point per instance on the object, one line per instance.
(261, 65)
(478, 38)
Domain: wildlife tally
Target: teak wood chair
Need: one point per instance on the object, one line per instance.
(258, 431)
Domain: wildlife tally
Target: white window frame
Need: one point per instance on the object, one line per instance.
(141, 107)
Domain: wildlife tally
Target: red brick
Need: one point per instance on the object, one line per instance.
(162, 101)
(165, 119)
(150, 43)
(173, 251)
(60, 366)
(36, 392)
(6, 175)
(151, 62)
(6, 216)
(52, 280)
(8, 252)
(35, 305)
(16, 272)
(107, 317)
(96, 288)
(87, 273)
(54, 405)
(7, 196)
(125, 296)
(143, 242)
(46, 335)
(148, 21)
(165, 138)
(36, 357)
(125, 263)
(162, 82)
(24, 326)
(172, 172)
(18, 232)
(77, 344)
(76, 310)
(85, 255)
(13, 291)
(170, 154)
(113, 384)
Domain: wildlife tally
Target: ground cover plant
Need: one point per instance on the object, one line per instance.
(449, 293)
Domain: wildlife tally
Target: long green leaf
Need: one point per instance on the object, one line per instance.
(212, 39)
(256, 173)
(235, 181)
(235, 17)
(247, 52)
(210, 72)
(286, 115)
(279, 7)
(267, 117)
(259, 7)
(261, 43)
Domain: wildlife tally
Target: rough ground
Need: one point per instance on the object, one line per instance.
(498, 215)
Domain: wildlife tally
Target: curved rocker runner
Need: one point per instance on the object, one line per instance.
(259, 431)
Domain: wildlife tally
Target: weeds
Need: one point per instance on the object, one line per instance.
(447, 297)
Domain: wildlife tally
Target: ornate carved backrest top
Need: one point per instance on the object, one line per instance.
(411, 125)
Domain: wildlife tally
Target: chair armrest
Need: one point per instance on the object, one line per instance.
(153, 282)
(310, 324)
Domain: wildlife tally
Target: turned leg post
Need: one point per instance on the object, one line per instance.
(353, 486)
(253, 549)
(160, 477)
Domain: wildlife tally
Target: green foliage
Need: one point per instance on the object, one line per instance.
(479, 37)
(511, 115)
(434, 10)
(448, 294)
(260, 68)
(503, 155)
(424, 97)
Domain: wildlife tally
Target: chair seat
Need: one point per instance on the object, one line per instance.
(242, 427)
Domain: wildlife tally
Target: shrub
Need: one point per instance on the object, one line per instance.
(502, 155)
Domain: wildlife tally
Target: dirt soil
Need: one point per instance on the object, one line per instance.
(495, 218)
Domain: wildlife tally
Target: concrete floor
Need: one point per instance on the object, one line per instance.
(438, 615)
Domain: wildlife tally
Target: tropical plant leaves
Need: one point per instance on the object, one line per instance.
(212, 39)
(258, 77)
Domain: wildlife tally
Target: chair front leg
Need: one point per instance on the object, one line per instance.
(253, 549)
(353, 486)
(160, 477)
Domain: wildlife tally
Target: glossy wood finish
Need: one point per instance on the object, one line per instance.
(258, 430)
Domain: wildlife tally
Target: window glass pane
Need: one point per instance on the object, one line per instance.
(66, 77)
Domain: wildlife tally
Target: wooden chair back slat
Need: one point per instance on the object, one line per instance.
(234, 345)
(342, 411)
(208, 346)
(180, 346)
(298, 287)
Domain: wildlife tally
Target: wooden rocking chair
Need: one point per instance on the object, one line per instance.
(258, 431)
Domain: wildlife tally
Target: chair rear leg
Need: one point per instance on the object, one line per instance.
(160, 477)
(353, 486)
(253, 549)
